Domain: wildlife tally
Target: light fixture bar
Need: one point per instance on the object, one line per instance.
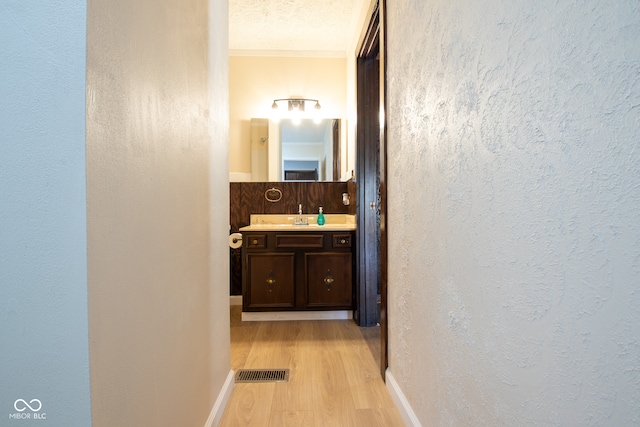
(295, 104)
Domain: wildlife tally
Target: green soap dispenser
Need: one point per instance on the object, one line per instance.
(320, 219)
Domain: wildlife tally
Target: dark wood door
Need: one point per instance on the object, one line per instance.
(328, 280)
(372, 196)
(270, 280)
(367, 177)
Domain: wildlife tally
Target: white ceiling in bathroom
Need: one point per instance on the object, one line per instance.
(323, 27)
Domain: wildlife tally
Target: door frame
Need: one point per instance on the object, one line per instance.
(371, 157)
(384, 361)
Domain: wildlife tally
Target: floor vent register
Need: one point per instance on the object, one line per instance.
(262, 375)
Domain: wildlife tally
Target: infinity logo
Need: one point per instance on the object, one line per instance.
(24, 405)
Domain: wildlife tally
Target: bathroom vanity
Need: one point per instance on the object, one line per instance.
(287, 267)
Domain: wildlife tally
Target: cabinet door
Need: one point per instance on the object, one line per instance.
(328, 280)
(270, 280)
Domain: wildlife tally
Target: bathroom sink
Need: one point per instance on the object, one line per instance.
(286, 222)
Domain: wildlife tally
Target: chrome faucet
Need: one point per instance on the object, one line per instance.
(300, 221)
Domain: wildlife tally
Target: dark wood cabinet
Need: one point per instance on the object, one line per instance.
(272, 280)
(328, 280)
(297, 271)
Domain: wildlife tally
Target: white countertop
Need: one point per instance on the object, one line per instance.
(291, 227)
(277, 222)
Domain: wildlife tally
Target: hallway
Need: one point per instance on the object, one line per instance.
(513, 221)
(333, 380)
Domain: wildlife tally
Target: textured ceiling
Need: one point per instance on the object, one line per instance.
(292, 25)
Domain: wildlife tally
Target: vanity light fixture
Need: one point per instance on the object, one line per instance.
(295, 104)
(295, 109)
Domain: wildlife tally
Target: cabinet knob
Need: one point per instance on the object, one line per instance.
(271, 281)
(343, 241)
(254, 242)
(328, 280)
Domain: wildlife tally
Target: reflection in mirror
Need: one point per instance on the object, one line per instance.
(308, 150)
(259, 150)
(286, 151)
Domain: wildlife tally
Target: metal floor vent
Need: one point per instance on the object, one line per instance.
(262, 375)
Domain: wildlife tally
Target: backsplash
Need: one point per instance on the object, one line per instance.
(248, 198)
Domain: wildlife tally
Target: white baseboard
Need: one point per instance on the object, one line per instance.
(221, 402)
(409, 417)
(235, 300)
(296, 315)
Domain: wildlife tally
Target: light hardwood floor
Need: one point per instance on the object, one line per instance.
(333, 380)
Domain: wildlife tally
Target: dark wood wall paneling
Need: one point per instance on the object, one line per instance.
(248, 198)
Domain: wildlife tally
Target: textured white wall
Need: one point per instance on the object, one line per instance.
(43, 257)
(219, 329)
(514, 210)
(157, 241)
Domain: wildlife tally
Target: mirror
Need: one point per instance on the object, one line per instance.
(290, 150)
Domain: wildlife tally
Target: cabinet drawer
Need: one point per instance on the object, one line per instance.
(300, 240)
(256, 241)
(341, 240)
